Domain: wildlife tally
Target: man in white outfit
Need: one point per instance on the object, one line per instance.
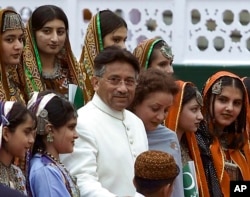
(110, 137)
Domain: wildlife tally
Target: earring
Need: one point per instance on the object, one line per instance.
(50, 137)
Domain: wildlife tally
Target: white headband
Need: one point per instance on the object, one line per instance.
(7, 106)
(45, 99)
(37, 105)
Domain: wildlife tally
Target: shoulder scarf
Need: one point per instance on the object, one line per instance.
(93, 44)
(33, 67)
(172, 122)
(17, 74)
(144, 50)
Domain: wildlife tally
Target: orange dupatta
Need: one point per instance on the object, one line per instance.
(172, 123)
(242, 161)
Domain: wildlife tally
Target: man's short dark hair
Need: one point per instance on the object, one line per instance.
(111, 54)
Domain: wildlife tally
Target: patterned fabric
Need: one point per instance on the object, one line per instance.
(13, 177)
(70, 72)
(144, 50)
(213, 154)
(92, 46)
(172, 122)
(12, 84)
(156, 165)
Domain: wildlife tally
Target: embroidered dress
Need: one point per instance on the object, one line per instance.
(13, 177)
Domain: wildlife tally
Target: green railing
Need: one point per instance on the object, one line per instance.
(198, 74)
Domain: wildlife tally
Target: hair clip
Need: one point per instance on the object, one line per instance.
(216, 88)
(199, 98)
(5, 121)
(166, 51)
(43, 113)
(42, 120)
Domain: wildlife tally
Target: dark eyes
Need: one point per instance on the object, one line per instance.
(117, 81)
(49, 31)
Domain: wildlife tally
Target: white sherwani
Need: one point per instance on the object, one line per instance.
(104, 154)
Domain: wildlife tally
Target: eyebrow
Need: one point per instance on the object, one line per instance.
(13, 35)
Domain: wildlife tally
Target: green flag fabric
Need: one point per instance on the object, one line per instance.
(189, 180)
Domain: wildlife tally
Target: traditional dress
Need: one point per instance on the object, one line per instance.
(191, 144)
(56, 180)
(10, 175)
(13, 177)
(67, 70)
(145, 49)
(93, 45)
(220, 163)
(12, 82)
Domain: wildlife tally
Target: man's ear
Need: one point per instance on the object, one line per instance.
(95, 82)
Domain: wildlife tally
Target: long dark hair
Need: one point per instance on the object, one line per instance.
(110, 21)
(46, 13)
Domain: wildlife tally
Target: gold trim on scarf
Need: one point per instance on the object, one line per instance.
(90, 50)
(33, 77)
(14, 89)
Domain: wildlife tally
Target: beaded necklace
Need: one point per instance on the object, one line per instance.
(70, 182)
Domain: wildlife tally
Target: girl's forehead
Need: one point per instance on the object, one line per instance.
(232, 92)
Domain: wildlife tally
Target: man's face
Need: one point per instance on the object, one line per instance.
(117, 85)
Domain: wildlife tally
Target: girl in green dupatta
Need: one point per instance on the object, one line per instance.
(48, 59)
(155, 53)
(104, 29)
